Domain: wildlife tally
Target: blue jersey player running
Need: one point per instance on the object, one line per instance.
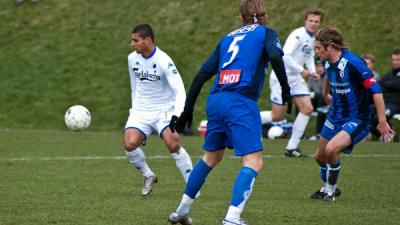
(348, 87)
(239, 62)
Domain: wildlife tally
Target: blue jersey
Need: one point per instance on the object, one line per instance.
(351, 85)
(241, 60)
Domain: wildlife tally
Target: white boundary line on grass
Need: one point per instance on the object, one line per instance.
(79, 158)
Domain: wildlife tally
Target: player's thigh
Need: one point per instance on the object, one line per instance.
(244, 128)
(304, 104)
(339, 142)
(278, 111)
(133, 138)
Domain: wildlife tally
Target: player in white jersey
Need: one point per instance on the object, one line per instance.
(299, 51)
(157, 94)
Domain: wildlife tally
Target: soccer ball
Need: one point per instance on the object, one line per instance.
(77, 118)
(275, 132)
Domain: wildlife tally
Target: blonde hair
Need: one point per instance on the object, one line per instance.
(331, 36)
(253, 11)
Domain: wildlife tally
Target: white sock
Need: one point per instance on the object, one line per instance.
(183, 162)
(233, 214)
(266, 117)
(299, 126)
(184, 206)
(138, 160)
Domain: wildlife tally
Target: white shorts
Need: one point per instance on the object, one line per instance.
(146, 122)
(298, 87)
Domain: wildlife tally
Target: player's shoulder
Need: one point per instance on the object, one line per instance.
(161, 55)
(132, 55)
(298, 33)
(352, 58)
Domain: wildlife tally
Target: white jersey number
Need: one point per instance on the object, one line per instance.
(234, 48)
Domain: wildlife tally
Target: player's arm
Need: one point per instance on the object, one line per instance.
(310, 64)
(175, 82)
(275, 53)
(325, 91)
(371, 85)
(209, 68)
(133, 81)
(291, 45)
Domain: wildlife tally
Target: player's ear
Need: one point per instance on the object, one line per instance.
(241, 19)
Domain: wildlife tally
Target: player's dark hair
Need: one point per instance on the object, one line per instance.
(331, 36)
(368, 56)
(253, 11)
(315, 11)
(396, 51)
(144, 31)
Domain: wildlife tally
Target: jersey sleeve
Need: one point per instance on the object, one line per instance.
(274, 51)
(207, 70)
(291, 45)
(133, 80)
(310, 62)
(366, 76)
(175, 82)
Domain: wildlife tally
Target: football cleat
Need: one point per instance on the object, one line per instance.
(175, 218)
(148, 184)
(228, 222)
(329, 197)
(319, 194)
(295, 153)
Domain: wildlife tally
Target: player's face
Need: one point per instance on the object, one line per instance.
(321, 51)
(138, 43)
(396, 61)
(312, 23)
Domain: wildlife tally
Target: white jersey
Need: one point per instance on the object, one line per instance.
(155, 83)
(299, 51)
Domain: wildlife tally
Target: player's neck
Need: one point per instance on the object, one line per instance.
(149, 51)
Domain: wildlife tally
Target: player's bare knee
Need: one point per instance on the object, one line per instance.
(131, 145)
(331, 150)
(307, 110)
(173, 146)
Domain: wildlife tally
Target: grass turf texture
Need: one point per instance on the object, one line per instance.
(45, 179)
(60, 53)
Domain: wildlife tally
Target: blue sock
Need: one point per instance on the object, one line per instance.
(322, 172)
(333, 172)
(243, 187)
(197, 178)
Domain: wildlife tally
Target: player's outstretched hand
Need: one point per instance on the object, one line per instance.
(172, 123)
(186, 118)
(387, 133)
(287, 99)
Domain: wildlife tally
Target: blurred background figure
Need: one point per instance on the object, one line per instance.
(390, 84)
(318, 102)
(370, 61)
(19, 2)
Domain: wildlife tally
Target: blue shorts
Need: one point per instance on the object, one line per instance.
(357, 129)
(233, 122)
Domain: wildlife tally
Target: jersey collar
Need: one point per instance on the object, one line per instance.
(308, 32)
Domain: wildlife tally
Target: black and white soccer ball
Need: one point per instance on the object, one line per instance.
(77, 118)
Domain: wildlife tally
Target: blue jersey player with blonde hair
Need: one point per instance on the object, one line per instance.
(239, 62)
(348, 87)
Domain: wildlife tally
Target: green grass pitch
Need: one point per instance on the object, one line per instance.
(61, 177)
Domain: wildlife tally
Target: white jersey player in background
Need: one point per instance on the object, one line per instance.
(157, 94)
(299, 51)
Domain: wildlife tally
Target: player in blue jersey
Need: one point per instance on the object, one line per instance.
(240, 61)
(348, 87)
